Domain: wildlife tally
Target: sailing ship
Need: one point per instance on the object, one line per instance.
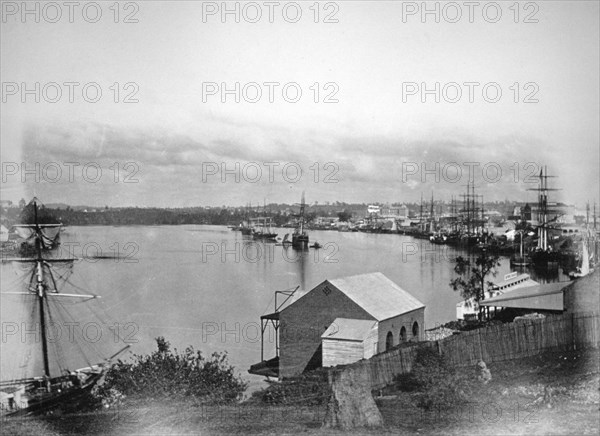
(20, 240)
(472, 223)
(300, 237)
(423, 229)
(263, 229)
(543, 257)
(245, 226)
(35, 375)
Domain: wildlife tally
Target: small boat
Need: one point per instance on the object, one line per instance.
(438, 238)
(286, 240)
(520, 260)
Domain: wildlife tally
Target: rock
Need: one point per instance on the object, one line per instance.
(351, 404)
(548, 396)
(485, 376)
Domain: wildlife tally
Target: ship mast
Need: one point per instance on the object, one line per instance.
(41, 290)
(40, 287)
(421, 213)
(432, 215)
(302, 205)
(473, 210)
(543, 210)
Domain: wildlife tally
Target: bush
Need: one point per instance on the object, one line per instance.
(311, 388)
(434, 381)
(167, 374)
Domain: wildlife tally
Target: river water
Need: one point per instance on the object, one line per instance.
(206, 286)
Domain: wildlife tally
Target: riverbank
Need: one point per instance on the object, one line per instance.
(514, 402)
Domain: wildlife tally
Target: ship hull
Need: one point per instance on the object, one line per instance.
(300, 241)
(70, 398)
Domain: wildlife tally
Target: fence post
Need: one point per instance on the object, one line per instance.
(573, 331)
(480, 346)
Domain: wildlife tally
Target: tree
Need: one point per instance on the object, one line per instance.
(344, 216)
(472, 276)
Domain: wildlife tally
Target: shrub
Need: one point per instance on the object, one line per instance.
(434, 381)
(311, 388)
(167, 374)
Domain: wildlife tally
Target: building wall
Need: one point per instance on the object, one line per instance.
(341, 351)
(370, 344)
(395, 324)
(582, 295)
(303, 322)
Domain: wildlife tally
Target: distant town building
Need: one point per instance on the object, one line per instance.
(3, 233)
(373, 210)
(396, 212)
(523, 213)
(326, 221)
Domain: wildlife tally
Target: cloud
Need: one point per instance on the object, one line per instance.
(169, 165)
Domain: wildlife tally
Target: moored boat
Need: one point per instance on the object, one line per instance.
(300, 236)
(35, 375)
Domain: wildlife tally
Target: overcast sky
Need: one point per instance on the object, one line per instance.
(370, 142)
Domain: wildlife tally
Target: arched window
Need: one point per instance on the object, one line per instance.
(402, 334)
(416, 329)
(389, 341)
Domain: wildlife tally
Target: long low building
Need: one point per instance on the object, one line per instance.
(469, 309)
(546, 297)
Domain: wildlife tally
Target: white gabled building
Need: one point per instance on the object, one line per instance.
(344, 320)
(348, 340)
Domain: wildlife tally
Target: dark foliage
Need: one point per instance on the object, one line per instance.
(472, 275)
(435, 382)
(308, 389)
(167, 374)
(344, 216)
(44, 216)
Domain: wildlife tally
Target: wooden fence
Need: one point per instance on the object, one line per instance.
(491, 344)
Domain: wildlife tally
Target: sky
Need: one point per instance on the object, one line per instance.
(517, 90)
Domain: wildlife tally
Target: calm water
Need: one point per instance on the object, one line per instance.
(207, 286)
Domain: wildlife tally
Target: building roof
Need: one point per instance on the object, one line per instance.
(515, 282)
(349, 329)
(377, 295)
(542, 297)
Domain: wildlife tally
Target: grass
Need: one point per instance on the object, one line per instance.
(512, 403)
